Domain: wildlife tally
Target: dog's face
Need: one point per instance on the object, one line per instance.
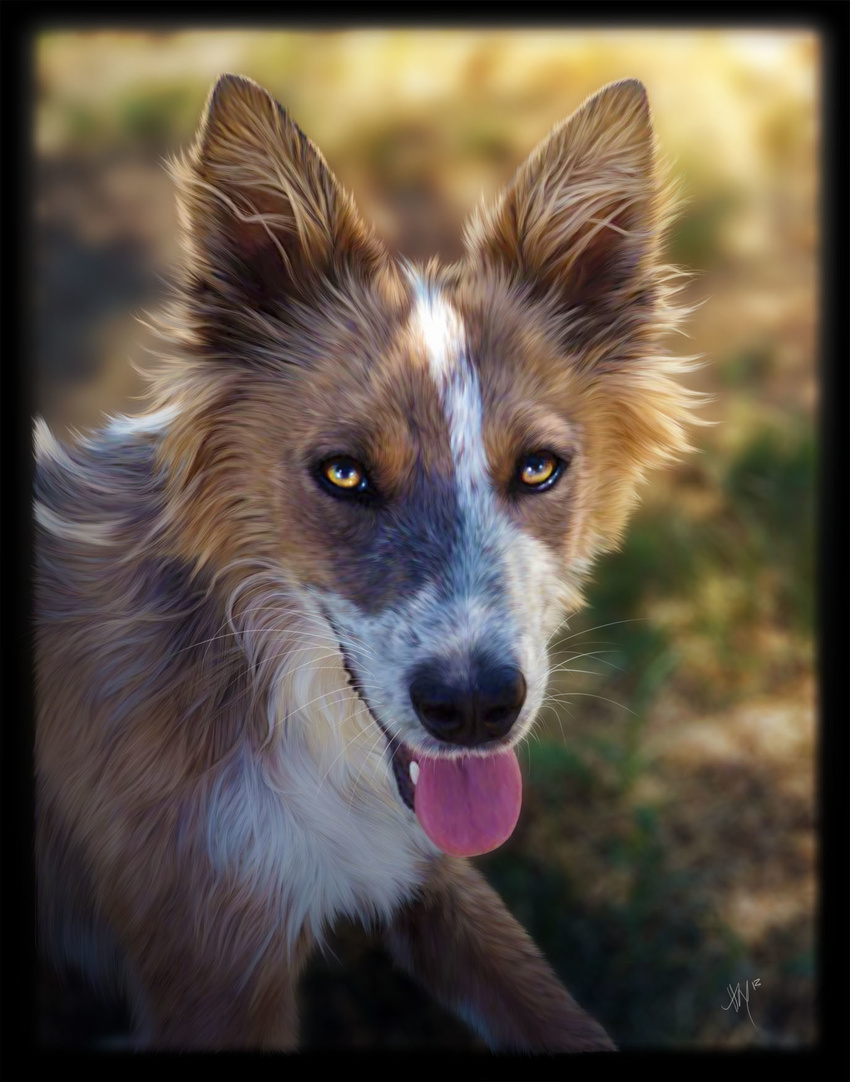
(445, 480)
(432, 457)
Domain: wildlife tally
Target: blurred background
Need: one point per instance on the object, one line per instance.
(666, 852)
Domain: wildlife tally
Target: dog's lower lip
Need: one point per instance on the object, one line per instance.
(401, 760)
(401, 755)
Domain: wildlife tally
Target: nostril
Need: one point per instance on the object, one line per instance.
(438, 706)
(501, 695)
(443, 715)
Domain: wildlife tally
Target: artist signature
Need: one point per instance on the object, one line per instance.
(737, 996)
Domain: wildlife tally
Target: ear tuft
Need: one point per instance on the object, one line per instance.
(230, 93)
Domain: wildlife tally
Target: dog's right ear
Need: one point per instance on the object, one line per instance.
(263, 218)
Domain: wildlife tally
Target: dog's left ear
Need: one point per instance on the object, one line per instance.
(263, 218)
(580, 222)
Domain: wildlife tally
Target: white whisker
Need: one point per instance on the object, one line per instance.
(590, 695)
(613, 623)
(366, 761)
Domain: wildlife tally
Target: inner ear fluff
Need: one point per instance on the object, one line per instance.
(262, 215)
(580, 220)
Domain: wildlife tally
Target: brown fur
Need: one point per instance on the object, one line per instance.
(290, 332)
(462, 944)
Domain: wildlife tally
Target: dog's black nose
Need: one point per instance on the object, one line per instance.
(468, 710)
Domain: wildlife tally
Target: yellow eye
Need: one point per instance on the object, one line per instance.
(538, 468)
(344, 473)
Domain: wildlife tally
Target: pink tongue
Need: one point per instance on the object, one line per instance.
(468, 806)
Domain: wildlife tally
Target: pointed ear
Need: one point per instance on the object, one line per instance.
(262, 215)
(580, 221)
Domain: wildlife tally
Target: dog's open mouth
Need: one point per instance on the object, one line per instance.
(405, 767)
(466, 806)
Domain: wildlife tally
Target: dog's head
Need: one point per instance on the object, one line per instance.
(432, 457)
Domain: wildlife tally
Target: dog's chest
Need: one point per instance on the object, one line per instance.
(317, 826)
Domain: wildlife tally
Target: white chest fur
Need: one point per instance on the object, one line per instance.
(314, 818)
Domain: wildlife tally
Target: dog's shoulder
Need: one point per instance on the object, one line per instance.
(98, 508)
(107, 474)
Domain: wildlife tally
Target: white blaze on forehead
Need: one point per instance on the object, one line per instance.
(500, 579)
(440, 329)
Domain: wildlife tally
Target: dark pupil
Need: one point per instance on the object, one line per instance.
(344, 472)
(537, 463)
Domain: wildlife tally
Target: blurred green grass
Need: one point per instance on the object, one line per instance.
(759, 541)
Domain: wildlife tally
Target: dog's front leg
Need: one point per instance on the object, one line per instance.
(189, 999)
(459, 940)
(208, 963)
(192, 1007)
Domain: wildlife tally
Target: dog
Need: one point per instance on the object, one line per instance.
(292, 620)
